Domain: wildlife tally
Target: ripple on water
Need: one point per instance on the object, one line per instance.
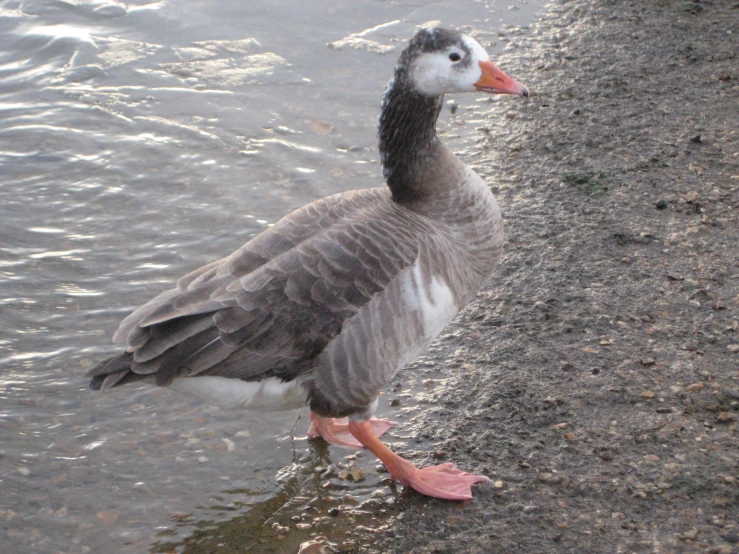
(139, 141)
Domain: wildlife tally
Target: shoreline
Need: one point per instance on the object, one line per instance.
(598, 381)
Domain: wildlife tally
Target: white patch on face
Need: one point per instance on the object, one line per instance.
(476, 48)
(269, 395)
(435, 74)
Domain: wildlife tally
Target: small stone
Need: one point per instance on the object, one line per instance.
(689, 535)
(24, 471)
(572, 437)
(108, 518)
(696, 139)
(647, 361)
(618, 515)
(303, 526)
(311, 547)
(695, 387)
(560, 426)
(498, 485)
(333, 512)
(733, 348)
(590, 350)
(731, 536)
(202, 459)
(647, 394)
(660, 204)
(651, 458)
(357, 474)
(395, 402)
(546, 477)
(725, 417)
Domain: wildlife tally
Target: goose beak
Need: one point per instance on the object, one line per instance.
(494, 81)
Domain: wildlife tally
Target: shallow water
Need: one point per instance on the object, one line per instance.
(139, 141)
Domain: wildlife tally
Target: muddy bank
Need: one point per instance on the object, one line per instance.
(597, 378)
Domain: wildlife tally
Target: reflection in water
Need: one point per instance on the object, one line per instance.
(312, 501)
(137, 142)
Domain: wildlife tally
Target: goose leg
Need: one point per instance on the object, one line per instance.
(336, 431)
(442, 481)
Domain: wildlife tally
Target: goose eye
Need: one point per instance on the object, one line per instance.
(455, 57)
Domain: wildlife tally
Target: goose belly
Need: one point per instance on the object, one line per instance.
(270, 394)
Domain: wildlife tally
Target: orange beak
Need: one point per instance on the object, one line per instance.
(494, 81)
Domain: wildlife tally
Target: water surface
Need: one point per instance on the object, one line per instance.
(141, 140)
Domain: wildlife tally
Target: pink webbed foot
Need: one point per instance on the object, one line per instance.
(336, 431)
(444, 481)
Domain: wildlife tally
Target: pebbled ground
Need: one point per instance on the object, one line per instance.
(598, 373)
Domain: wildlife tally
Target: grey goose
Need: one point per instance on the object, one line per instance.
(324, 307)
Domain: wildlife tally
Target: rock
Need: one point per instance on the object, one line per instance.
(731, 536)
(689, 535)
(303, 526)
(725, 417)
(355, 474)
(108, 518)
(651, 458)
(695, 387)
(660, 204)
(311, 547)
(733, 348)
(691, 196)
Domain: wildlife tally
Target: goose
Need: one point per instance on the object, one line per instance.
(324, 307)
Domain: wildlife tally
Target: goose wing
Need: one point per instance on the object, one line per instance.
(272, 306)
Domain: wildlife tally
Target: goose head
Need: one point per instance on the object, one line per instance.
(439, 61)
(436, 62)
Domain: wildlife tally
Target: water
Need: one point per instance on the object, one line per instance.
(139, 141)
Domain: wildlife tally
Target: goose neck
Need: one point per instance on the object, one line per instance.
(407, 139)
